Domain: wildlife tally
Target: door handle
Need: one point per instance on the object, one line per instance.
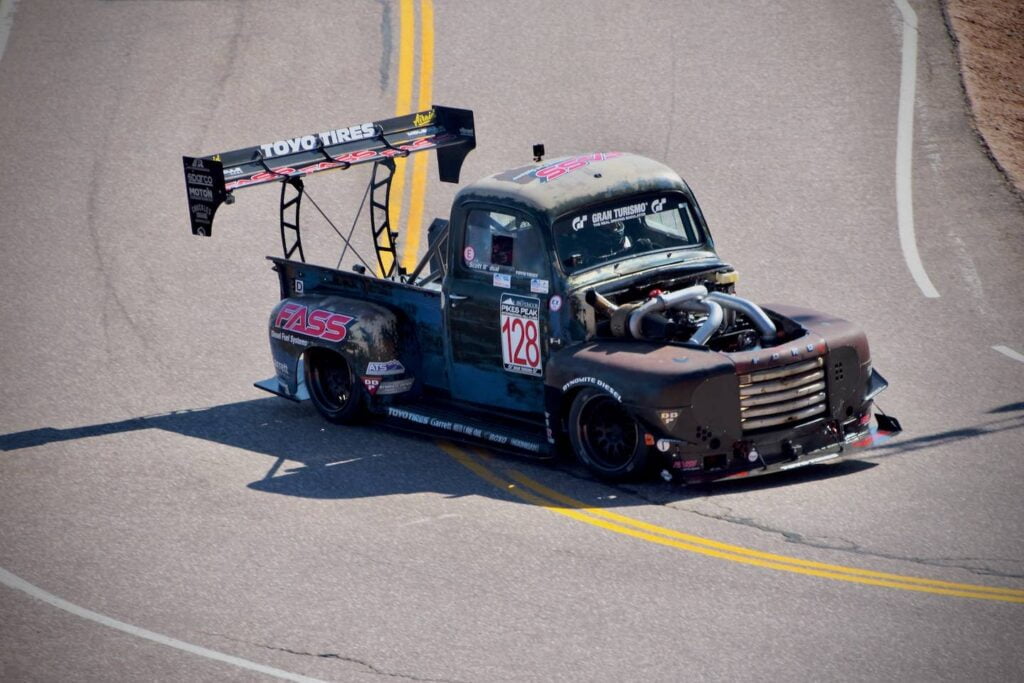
(457, 297)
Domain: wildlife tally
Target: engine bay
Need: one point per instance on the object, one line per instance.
(698, 309)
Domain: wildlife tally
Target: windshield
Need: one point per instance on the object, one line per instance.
(628, 227)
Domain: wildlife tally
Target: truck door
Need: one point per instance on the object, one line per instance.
(496, 300)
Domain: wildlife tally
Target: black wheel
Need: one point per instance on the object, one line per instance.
(332, 386)
(605, 437)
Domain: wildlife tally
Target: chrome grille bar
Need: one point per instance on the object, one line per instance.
(782, 395)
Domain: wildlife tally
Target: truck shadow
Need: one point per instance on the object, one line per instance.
(312, 459)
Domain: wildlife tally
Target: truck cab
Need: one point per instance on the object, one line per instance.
(524, 243)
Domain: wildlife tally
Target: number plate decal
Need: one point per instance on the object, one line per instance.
(520, 335)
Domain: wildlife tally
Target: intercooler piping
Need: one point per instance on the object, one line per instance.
(696, 298)
(660, 303)
(756, 314)
(710, 324)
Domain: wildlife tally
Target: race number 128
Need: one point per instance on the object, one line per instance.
(520, 344)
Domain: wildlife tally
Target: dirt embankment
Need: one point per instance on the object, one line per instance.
(990, 41)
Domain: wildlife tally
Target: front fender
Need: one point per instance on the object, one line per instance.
(651, 380)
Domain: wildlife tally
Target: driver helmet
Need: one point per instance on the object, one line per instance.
(606, 240)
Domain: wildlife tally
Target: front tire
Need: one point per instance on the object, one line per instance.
(605, 437)
(332, 387)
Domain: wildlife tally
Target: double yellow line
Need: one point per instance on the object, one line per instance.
(403, 102)
(534, 493)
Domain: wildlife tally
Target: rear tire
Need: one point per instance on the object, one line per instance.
(332, 387)
(605, 437)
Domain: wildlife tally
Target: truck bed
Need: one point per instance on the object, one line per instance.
(419, 307)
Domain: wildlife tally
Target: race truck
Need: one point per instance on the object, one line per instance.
(573, 304)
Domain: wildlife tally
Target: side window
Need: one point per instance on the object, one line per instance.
(502, 243)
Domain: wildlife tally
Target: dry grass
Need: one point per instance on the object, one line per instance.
(990, 37)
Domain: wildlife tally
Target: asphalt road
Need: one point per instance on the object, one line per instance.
(142, 477)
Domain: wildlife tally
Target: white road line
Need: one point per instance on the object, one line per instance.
(1009, 353)
(6, 21)
(905, 152)
(12, 581)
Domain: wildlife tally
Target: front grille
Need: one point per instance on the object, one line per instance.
(781, 396)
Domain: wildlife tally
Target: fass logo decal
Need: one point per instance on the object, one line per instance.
(560, 168)
(320, 323)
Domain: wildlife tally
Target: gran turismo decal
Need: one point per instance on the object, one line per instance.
(619, 213)
(320, 323)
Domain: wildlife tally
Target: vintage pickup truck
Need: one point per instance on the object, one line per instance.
(570, 304)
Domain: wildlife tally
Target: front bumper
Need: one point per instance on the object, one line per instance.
(812, 444)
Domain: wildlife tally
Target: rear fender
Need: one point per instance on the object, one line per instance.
(368, 336)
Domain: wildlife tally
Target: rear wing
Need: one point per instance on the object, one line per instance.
(211, 180)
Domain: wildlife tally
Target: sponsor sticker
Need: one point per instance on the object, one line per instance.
(425, 118)
(395, 386)
(320, 323)
(354, 157)
(557, 169)
(193, 178)
(600, 383)
(538, 286)
(668, 417)
(459, 428)
(503, 280)
(468, 254)
(619, 213)
(384, 368)
(555, 303)
(372, 384)
(307, 143)
(520, 334)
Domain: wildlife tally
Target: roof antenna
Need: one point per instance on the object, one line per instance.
(538, 152)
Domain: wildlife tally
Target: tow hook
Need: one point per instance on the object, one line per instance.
(792, 450)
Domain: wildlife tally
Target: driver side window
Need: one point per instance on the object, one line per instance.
(503, 243)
